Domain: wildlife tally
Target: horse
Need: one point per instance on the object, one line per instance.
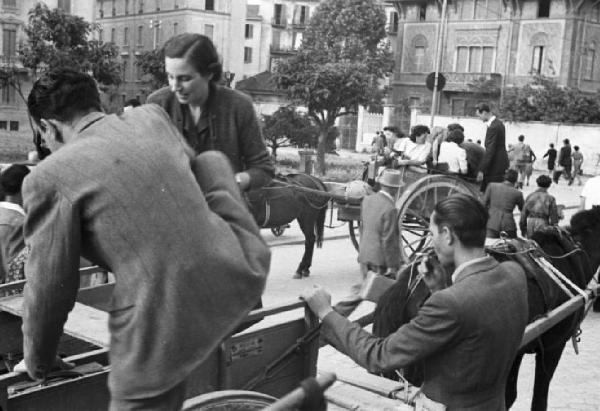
(283, 200)
(574, 251)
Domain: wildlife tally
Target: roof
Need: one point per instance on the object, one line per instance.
(264, 82)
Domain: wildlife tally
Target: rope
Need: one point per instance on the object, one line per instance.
(565, 280)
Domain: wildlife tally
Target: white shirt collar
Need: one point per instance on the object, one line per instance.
(489, 122)
(12, 206)
(464, 265)
(388, 195)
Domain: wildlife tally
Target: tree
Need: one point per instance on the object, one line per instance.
(56, 39)
(152, 64)
(340, 64)
(286, 127)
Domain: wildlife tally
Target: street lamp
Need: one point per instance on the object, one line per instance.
(228, 78)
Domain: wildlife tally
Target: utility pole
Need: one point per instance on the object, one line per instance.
(438, 60)
(155, 26)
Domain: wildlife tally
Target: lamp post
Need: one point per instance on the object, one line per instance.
(228, 78)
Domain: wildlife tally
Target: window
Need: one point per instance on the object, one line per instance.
(9, 42)
(141, 6)
(249, 31)
(462, 59)
(393, 23)
(64, 5)
(157, 5)
(466, 9)
(209, 5)
(300, 15)
(209, 30)
(101, 8)
(3, 124)
(9, 3)
(481, 8)
(419, 58)
(14, 126)
(126, 36)
(415, 102)
(126, 6)
(176, 5)
(588, 62)
(543, 8)
(458, 107)
(422, 12)
(247, 54)
(8, 95)
(276, 39)
(278, 14)
(297, 40)
(487, 61)
(175, 28)
(538, 59)
(112, 34)
(114, 9)
(474, 59)
(125, 68)
(139, 36)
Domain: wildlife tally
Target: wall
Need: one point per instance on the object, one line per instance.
(538, 135)
(368, 124)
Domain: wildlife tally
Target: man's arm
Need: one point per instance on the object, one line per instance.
(491, 143)
(53, 233)
(390, 241)
(553, 212)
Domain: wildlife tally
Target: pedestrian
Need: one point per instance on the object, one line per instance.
(501, 199)
(590, 194)
(415, 150)
(539, 210)
(577, 158)
(522, 154)
(551, 154)
(379, 248)
(564, 163)
(12, 243)
(452, 154)
(495, 160)
(467, 332)
(529, 167)
(130, 195)
(211, 116)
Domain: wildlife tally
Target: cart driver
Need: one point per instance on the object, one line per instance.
(466, 334)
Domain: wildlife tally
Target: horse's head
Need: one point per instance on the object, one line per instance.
(585, 228)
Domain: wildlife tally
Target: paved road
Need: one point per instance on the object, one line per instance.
(575, 385)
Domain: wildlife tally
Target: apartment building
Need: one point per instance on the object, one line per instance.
(498, 43)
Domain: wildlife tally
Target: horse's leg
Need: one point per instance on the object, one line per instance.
(511, 382)
(546, 362)
(307, 225)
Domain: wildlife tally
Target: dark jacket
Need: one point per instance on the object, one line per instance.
(564, 158)
(495, 160)
(467, 336)
(233, 128)
(500, 199)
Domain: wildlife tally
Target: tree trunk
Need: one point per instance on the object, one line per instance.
(321, 150)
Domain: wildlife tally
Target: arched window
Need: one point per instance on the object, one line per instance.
(419, 44)
(589, 59)
(539, 43)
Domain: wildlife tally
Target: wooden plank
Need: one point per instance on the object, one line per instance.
(349, 397)
(84, 322)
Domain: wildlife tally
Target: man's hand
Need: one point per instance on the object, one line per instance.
(243, 180)
(318, 300)
(435, 276)
(480, 176)
(59, 364)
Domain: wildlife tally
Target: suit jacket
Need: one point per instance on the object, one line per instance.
(564, 158)
(467, 336)
(233, 129)
(501, 199)
(379, 238)
(11, 238)
(127, 194)
(495, 159)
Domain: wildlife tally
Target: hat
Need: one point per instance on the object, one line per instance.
(390, 178)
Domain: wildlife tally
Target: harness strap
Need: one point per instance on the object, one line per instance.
(557, 275)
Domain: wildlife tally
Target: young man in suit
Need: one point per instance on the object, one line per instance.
(466, 334)
(379, 248)
(128, 194)
(501, 199)
(495, 160)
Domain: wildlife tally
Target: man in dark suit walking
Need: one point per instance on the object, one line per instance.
(128, 194)
(495, 161)
(466, 334)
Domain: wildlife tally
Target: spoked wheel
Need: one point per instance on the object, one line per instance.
(229, 400)
(416, 205)
(354, 229)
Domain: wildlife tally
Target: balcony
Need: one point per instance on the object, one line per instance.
(473, 82)
(279, 49)
(299, 25)
(278, 22)
(12, 63)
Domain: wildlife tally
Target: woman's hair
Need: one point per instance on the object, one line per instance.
(417, 131)
(455, 126)
(198, 50)
(61, 94)
(437, 131)
(456, 136)
(543, 181)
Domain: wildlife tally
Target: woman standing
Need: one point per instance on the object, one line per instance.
(577, 162)
(209, 116)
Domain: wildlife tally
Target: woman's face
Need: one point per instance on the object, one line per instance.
(189, 86)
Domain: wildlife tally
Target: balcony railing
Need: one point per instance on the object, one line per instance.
(489, 82)
(278, 22)
(276, 48)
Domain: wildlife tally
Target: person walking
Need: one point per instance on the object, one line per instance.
(539, 210)
(130, 195)
(467, 332)
(551, 154)
(379, 248)
(211, 116)
(522, 154)
(577, 157)
(495, 160)
(501, 199)
(564, 162)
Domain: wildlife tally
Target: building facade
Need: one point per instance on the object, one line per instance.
(489, 45)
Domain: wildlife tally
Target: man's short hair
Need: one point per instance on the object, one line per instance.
(551, 145)
(11, 179)
(543, 181)
(456, 136)
(511, 175)
(455, 126)
(61, 94)
(465, 216)
(483, 108)
(566, 141)
(132, 102)
(576, 148)
(521, 137)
